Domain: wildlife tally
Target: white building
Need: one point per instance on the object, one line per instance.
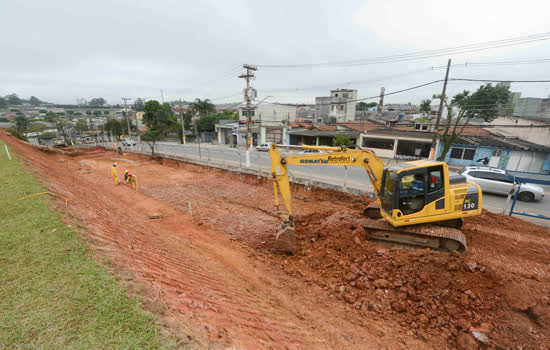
(529, 131)
(270, 114)
(337, 108)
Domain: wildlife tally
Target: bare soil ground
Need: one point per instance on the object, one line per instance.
(217, 272)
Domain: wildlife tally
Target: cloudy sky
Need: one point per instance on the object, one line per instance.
(61, 50)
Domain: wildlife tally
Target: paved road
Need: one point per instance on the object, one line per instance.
(352, 177)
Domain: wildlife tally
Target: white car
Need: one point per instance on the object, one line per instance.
(264, 147)
(311, 151)
(498, 181)
(128, 142)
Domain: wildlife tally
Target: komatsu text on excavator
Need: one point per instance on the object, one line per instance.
(418, 203)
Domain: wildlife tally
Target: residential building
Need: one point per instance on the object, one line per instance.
(269, 123)
(511, 154)
(524, 128)
(336, 108)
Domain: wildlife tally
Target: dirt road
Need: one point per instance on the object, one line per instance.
(216, 271)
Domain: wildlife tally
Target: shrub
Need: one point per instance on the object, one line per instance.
(17, 134)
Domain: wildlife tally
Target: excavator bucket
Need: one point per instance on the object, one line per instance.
(285, 240)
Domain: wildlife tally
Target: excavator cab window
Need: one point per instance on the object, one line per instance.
(389, 184)
(412, 191)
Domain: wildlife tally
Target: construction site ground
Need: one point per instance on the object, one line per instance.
(202, 239)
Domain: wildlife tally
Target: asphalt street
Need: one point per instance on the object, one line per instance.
(349, 176)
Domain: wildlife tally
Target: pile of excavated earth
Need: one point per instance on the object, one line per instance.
(202, 239)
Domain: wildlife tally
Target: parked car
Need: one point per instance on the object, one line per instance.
(311, 151)
(128, 142)
(264, 147)
(498, 181)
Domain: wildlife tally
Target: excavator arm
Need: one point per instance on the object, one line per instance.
(339, 156)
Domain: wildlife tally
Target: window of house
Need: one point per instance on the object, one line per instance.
(378, 143)
(462, 153)
(336, 95)
(333, 107)
(345, 95)
(424, 127)
(417, 126)
(342, 107)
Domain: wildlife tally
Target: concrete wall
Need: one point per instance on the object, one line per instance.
(321, 109)
(527, 107)
(274, 114)
(539, 136)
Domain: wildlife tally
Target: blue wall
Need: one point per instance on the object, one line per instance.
(546, 166)
(484, 151)
(481, 152)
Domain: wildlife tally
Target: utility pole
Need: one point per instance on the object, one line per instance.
(381, 102)
(127, 117)
(440, 111)
(248, 76)
(182, 122)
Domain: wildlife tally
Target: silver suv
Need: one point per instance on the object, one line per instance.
(498, 181)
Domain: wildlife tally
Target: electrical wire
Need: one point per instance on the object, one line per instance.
(422, 54)
(499, 81)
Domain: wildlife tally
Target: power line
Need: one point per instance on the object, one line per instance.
(423, 54)
(500, 81)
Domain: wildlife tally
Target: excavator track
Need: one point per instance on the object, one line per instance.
(422, 236)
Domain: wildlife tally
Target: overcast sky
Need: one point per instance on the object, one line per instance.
(61, 50)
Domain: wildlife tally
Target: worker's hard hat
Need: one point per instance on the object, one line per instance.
(126, 171)
(114, 164)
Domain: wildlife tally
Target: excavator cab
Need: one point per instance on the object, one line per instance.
(422, 191)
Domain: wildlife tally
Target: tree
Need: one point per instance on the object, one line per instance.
(63, 125)
(426, 106)
(34, 101)
(124, 125)
(485, 104)
(14, 100)
(50, 117)
(97, 102)
(88, 112)
(113, 127)
(363, 105)
(106, 112)
(97, 113)
(202, 107)
(208, 122)
(158, 119)
(3, 103)
(341, 140)
(81, 125)
(22, 123)
(138, 104)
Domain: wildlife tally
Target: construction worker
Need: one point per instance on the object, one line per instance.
(114, 174)
(131, 179)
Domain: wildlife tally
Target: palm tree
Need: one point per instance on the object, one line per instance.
(426, 106)
(202, 107)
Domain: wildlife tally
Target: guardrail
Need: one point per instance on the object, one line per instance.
(538, 216)
(232, 159)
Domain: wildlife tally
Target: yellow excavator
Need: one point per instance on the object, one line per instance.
(418, 203)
